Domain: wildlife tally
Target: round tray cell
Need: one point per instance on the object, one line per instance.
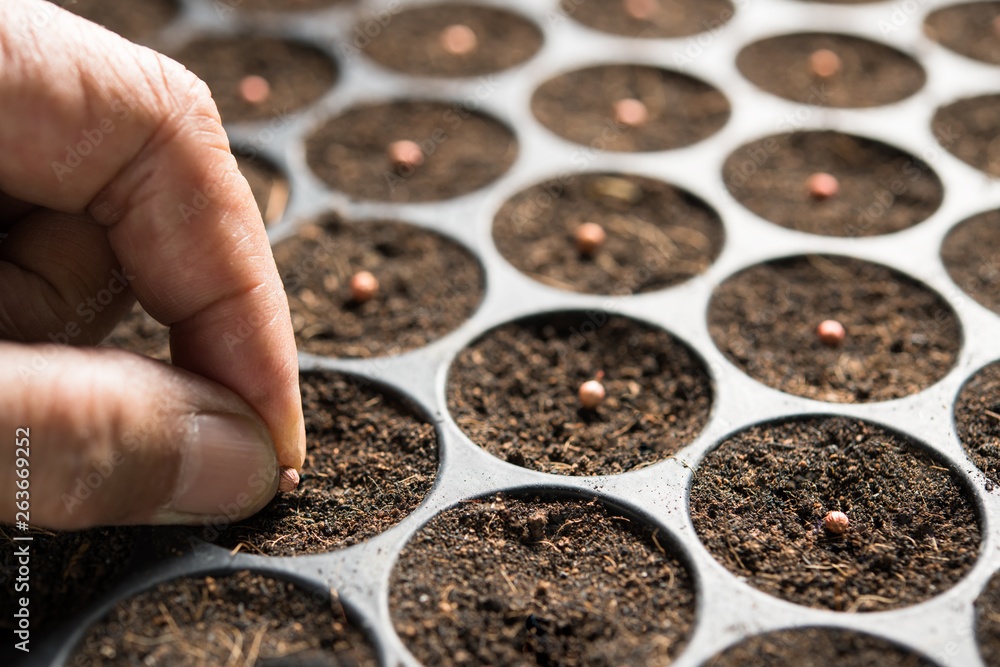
(428, 285)
(899, 336)
(459, 151)
(677, 110)
(371, 459)
(817, 647)
(515, 393)
(657, 235)
(650, 18)
(869, 74)
(977, 421)
(988, 622)
(295, 74)
(434, 40)
(758, 503)
(970, 130)
(970, 253)
(969, 29)
(239, 618)
(560, 582)
(136, 21)
(879, 189)
(269, 187)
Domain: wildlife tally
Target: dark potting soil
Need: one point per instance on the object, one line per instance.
(140, 333)
(817, 647)
(428, 286)
(967, 29)
(136, 21)
(463, 151)
(758, 502)
(901, 336)
(882, 189)
(371, 459)
(658, 235)
(411, 41)
(970, 130)
(871, 74)
(579, 106)
(988, 622)
(514, 582)
(972, 257)
(514, 393)
(270, 189)
(242, 618)
(977, 420)
(670, 18)
(298, 74)
(287, 5)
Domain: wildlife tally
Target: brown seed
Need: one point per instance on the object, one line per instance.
(288, 481)
(824, 63)
(363, 286)
(640, 9)
(255, 89)
(836, 522)
(591, 394)
(458, 40)
(589, 238)
(405, 155)
(831, 333)
(631, 112)
(822, 186)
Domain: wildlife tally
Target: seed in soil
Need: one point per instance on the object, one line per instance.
(364, 286)
(289, 480)
(836, 522)
(977, 420)
(831, 333)
(970, 130)
(822, 186)
(405, 155)
(255, 89)
(458, 39)
(591, 394)
(507, 581)
(589, 237)
(817, 647)
(987, 609)
(824, 63)
(631, 112)
(758, 502)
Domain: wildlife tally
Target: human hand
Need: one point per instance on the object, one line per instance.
(116, 180)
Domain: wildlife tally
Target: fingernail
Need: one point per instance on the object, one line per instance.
(229, 468)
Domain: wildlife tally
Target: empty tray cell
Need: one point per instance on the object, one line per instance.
(371, 460)
(759, 504)
(259, 78)
(650, 18)
(515, 393)
(875, 188)
(898, 335)
(136, 21)
(851, 72)
(428, 285)
(977, 421)
(970, 130)
(630, 108)
(655, 235)
(229, 619)
(971, 253)
(505, 581)
(971, 29)
(457, 151)
(449, 40)
(818, 647)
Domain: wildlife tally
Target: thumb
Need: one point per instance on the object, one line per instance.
(115, 438)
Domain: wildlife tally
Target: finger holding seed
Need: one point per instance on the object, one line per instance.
(288, 481)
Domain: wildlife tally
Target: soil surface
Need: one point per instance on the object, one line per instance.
(758, 502)
(988, 622)
(140, 333)
(122, 17)
(882, 189)
(270, 189)
(871, 74)
(514, 393)
(242, 618)
(972, 256)
(371, 460)
(817, 647)
(411, 41)
(511, 582)
(297, 73)
(428, 286)
(970, 130)
(669, 18)
(463, 151)
(901, 337)
(287, 5)
(579, 106)
(967, 29)
(977, 420)
(658, 235)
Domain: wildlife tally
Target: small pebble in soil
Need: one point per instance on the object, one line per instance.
(836, 522)
(631, 112)
(589, 238)
(289, 480)
(405, 155)
(824, 63)
(591, 394)
(255, 89)
(459, 40)
(831, 333)
(640, 9)
(364, 286)
(822, 186)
